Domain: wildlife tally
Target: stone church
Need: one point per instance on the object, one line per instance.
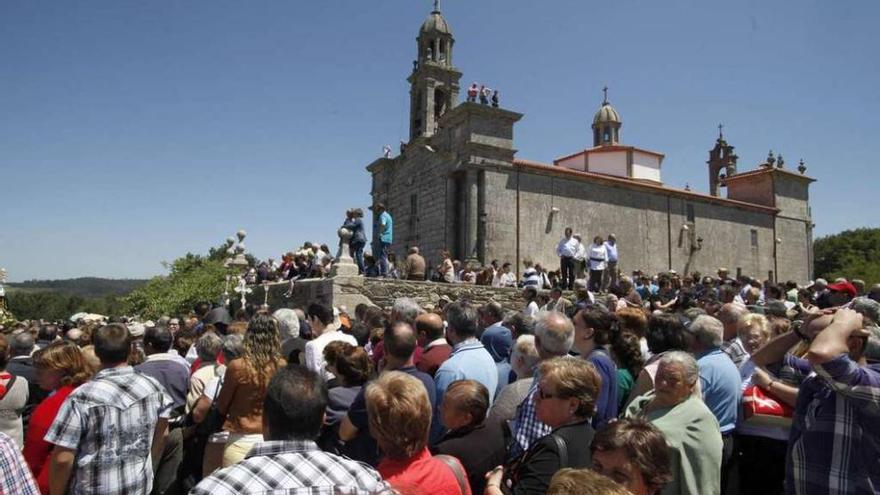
(457, 184)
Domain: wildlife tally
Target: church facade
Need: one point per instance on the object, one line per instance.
(457, 184)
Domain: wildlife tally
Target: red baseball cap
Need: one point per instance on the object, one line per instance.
(844, 287)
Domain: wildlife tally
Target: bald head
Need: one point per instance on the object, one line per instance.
(730, 314)
(400, 342)
(429, 326)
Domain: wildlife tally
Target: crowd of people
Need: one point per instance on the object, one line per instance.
(673, 385)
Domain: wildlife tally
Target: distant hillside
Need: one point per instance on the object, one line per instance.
(87, 287)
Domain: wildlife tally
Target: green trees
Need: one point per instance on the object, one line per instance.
(192, 278)
(851, 254)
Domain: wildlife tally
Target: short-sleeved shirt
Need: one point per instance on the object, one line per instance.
(110, 422)
(469, 361)
(386, 234)
(722, 386)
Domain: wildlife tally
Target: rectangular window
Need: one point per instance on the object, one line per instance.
(754, 237)
(413, 213)
(690, 213)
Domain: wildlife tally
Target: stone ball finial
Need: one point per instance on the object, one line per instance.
(241, 234)
(230, 241)
(802, 167)
(344, 234)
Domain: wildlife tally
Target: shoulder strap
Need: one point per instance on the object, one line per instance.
(562, 448)
(454, 465)
(4, 389)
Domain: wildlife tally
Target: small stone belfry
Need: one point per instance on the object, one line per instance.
(434, 82)
(722, 163)
(606, 123)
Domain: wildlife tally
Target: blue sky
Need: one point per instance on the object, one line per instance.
(133, 132)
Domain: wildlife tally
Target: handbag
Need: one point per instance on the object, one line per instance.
(214, 420)
(512, 468)
(761, 408)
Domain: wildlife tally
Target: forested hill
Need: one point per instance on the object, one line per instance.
(87, 287)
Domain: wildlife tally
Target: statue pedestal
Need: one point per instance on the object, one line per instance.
(344, 266)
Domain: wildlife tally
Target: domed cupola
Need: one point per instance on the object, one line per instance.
(435, 39)
(606, 124)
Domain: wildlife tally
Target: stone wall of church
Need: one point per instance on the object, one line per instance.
(417, 180)
(793, 256)
(649, 226)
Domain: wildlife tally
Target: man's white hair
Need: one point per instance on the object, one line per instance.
(554, 333)
(708, 331)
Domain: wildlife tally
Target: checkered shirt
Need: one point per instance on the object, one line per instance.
(735, 351)
(527, 426)
(293, 467)
(15, 477)
(835, 434)
(109, 422)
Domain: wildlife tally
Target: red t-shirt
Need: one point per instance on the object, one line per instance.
(422, 475)
(36, 450)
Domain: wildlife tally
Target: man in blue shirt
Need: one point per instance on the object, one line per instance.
(385, 226)
(720, 381)
(469, 359)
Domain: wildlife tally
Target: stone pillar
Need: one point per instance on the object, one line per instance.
(471, 189)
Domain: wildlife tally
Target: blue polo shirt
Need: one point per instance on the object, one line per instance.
(385, 235)
(722, 385)
(469, 361)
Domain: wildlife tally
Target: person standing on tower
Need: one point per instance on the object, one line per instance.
(385, 225)
(495, 98)
(472, 93)
(484, 95)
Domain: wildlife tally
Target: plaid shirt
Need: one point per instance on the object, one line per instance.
(833, 448)
(527, 427)
(294, 467)
(15, 477)
(109, 422)
(735, 351)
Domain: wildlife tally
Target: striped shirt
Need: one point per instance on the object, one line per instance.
(110, 422)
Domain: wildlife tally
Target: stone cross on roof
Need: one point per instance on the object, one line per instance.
(720, 129)
(605, 92)
(436, 5)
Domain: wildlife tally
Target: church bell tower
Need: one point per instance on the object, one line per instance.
(434, 82)
(722, 163)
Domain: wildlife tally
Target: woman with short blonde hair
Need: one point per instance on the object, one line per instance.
(399, 412)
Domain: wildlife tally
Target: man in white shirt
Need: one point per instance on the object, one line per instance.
(609, 279)
(566, 250)
(508, 279)
(320, 317)
(580, 259)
